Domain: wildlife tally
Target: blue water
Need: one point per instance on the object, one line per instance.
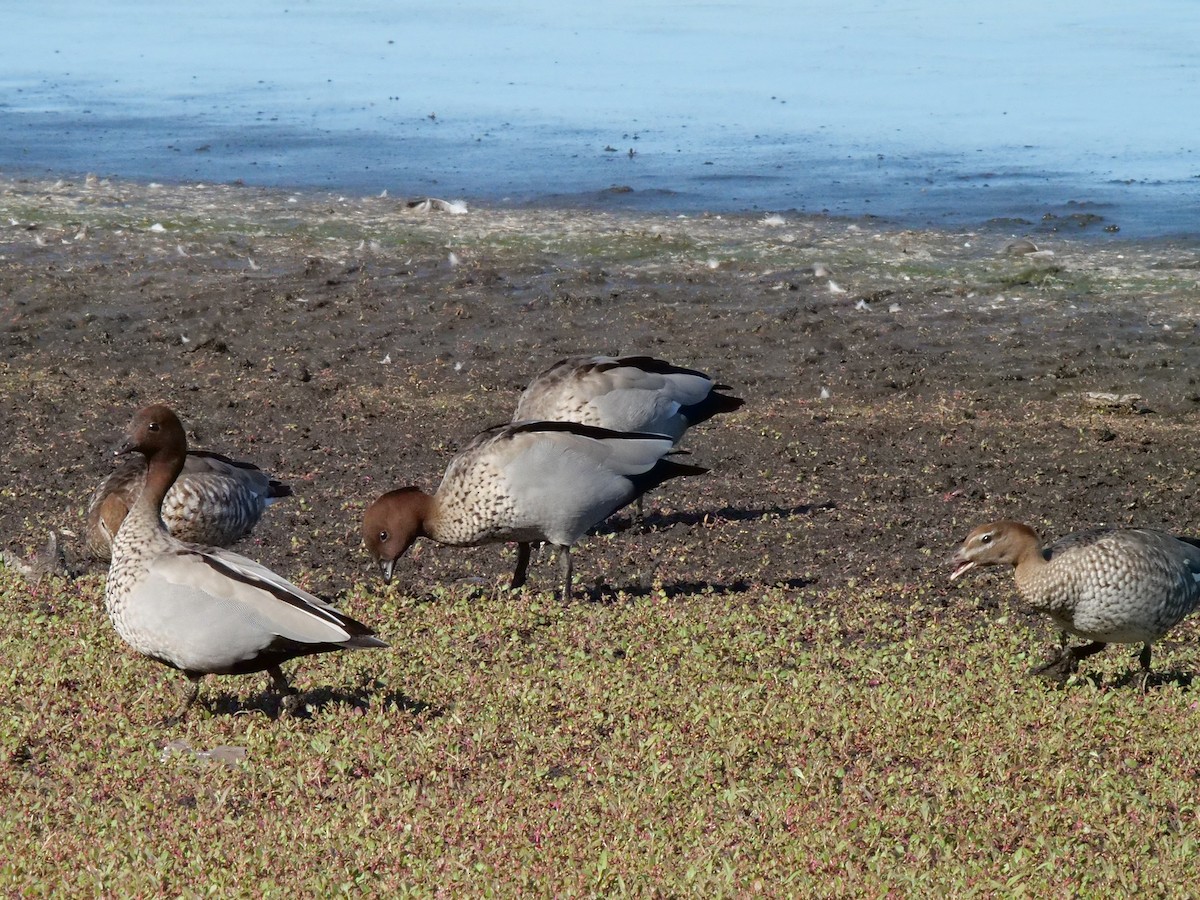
(937, 112)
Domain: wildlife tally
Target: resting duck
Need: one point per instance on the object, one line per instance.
(200, 609)
(524, 482)
(215, 501)
(1108, 585)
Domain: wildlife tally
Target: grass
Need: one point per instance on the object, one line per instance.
(795, 742)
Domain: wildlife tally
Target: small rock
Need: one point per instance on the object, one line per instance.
(50, 560)
(1020, 247)
(1116, 402)
(224, 754)
(433, 204)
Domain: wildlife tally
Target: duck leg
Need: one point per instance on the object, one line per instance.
(564, 571)
(1063, 665)
(190, 693)
(523, 550)
(1143, 676)
(289, 697)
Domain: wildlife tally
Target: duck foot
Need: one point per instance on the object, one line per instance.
(638, 518)
(1142, 678)
(190, 693)
(1063, 666)
(289, 700)
(289, 704)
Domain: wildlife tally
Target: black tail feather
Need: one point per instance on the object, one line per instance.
(664, 470)
(714, 404)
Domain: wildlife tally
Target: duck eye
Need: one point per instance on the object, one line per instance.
(383, 536)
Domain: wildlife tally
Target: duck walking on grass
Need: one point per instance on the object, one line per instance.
(216, 501)
(1109, 585)
(200, 609)
(524, 482)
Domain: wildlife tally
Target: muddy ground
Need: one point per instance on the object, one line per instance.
(901, 386)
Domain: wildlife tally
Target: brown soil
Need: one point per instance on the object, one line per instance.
(925, 382)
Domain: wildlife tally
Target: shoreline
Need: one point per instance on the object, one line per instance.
(1070, 220)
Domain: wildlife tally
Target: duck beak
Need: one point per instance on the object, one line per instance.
(962, 566)
(386, 567)
(124, 444)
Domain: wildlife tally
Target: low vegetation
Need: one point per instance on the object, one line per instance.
(868, 740)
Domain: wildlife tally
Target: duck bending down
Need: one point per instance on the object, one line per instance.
(204, 610)
(524, 482)
(216, 501)
(625, 393)
(1108, 585)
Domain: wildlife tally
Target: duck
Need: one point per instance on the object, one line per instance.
(625, 393)
(216, 501)
(524, 482)
(207, 610)
(1105, 585)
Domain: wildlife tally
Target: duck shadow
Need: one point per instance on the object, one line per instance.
(624, 521)
(362, 698)
(270, 703)
(1183, 680)
(1131, 680)
(608, 594)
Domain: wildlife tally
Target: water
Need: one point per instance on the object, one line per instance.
(938, 112)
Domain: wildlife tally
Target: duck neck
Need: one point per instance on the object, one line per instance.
(1030, 566)
(162, 468)
(428, 517)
